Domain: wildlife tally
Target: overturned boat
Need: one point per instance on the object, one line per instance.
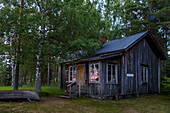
(19, 95)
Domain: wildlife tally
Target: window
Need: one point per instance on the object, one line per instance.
(66, 72)
(72, 73)
(94, 72)
(144, 74)
(112, 73)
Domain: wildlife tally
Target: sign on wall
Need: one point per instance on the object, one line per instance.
(130, 75)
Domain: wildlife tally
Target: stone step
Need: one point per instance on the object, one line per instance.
(68, 97)
(65, 97)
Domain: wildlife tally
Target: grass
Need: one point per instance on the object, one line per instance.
(51, 103)
(46, 90)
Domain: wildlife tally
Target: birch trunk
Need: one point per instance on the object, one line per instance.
(12, 74)
(11, 64)
(38, 74)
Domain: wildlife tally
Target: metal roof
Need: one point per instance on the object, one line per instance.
(117, 47)
(120, 44)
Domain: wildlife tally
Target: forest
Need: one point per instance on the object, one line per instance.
(36, 35)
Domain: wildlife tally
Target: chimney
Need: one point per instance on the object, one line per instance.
(102, 40)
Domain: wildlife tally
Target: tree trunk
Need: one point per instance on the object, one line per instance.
(31, 79)
(48, 80)
(44, 76)
(54, 73)
(16, 75)
(57, 75)
(11, 64)
(12, 74)
(38, 74)
(166, 37)
(25, 77)
(16, 66)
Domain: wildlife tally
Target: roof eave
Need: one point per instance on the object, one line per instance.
(162, 57)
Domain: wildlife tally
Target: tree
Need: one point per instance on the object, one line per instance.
(12, 29)
(127, 17)
(70, 29)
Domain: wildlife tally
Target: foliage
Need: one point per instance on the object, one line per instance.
(5, 72)
(167, 69)
(165, 85)
(56, 29)
(60, 28)
(128, 17)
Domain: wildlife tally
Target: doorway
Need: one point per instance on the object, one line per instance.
(81, 74)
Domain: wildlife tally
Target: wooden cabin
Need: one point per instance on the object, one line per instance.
(123, 66)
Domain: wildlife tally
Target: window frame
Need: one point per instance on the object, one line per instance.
(144, 78)
(72, 73)
(116, 79)
(94, 81)
(67, 74)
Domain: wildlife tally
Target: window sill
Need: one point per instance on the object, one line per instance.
(94, 82)
(113, 83)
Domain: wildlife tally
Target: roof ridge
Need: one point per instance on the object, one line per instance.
(124, 38)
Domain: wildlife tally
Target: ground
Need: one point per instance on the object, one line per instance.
(50, 102)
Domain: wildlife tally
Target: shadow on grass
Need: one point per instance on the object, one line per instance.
(43, 94)
(165, 93)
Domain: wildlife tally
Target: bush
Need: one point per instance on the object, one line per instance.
(165, 85)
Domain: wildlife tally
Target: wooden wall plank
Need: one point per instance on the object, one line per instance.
(122, 74)
(159, 75)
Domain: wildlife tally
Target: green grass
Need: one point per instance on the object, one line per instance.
(51, 103)
(46, 90)
(5, 88)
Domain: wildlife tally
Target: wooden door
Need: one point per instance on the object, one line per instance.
(144, 79)
(81, 74)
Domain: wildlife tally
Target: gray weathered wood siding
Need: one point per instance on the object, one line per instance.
(140, 54)
(110, 88)
(129, 63)
(62, 77)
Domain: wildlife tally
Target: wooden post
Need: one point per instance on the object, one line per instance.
(137, 94)
(117, 97)
(61, 77)
(79, 88)
(54, 74)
